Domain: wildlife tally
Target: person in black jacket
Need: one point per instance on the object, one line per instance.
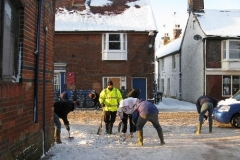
(204, 104)
(95, 98)
(61, 110)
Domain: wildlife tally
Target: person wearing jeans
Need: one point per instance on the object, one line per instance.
(205, 104)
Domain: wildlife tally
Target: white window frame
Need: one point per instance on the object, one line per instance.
(228, 62)
(226, 50)
(11, 49)
(174, 62)
(162, 85)
(230, 84)
(114, 54)
(163, 65)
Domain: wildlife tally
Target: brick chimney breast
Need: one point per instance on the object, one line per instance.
(195, 5)
(177, 31)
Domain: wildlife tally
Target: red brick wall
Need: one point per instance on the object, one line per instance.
(20, 137)
(196, 5)
(213, 54)
(82, 52)
(214, 86)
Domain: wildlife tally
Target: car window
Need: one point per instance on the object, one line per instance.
(236, 96)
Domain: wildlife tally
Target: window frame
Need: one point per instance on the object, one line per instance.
(10, 61)
(226, 50)
(174, 62)
(114, 54)
(230, 84)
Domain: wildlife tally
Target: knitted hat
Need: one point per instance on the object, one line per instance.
(110, 83)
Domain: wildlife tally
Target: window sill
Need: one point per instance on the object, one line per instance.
(108, 56)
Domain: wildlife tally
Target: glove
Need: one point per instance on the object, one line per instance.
(67, 127)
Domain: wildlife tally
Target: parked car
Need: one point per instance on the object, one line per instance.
(228, 111)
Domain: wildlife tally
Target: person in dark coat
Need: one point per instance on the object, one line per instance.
(95, 98)
(205, 104)
(143, 111)
(134, 93)
(61, 110)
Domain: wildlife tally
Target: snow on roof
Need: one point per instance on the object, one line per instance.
(170, 48)
(131, 19)
(223, 23)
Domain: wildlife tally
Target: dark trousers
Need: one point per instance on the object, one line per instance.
(109, 116)
(153, 118)
(125, 119)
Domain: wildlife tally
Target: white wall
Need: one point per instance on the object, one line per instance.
(169, 73)
(192, 63)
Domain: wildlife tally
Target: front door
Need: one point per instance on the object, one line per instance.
(140, 83)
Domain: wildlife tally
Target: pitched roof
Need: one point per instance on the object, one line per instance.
(137, 15)
(223, 23)
(170, 48)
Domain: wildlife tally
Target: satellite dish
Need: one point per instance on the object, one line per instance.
(197, 37)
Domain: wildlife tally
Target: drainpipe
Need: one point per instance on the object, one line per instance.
(40, 2)
(44, 90)
(204, 67)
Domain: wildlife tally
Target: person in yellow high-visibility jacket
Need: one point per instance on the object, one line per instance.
(109, 99)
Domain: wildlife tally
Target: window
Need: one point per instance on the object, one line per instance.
(174, 63)
(231, 84)
(114, 46)
(231, 49)
(162, 85)
(162, 64)
(10, 48)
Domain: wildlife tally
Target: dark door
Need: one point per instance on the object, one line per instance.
(140, 83)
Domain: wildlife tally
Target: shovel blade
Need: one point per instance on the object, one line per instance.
(119, 126)
(99, 130)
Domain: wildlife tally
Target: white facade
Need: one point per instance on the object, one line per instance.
(169, 76)
(168, 68)
(192, 62)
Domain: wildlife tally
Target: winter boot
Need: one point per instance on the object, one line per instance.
(107, 126)
(160, 135)
(57, 137)
(110, 126)
(210, 127)
(199, 127)
(140, 138)
(131, 134)
(122, 134)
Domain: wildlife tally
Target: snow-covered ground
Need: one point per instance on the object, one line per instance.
(178, 120)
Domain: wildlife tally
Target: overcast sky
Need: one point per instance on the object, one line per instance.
(170, 12)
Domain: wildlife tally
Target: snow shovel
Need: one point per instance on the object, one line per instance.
(99, 132)
(119, 126)
(69, 135)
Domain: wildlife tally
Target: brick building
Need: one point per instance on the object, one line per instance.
(96, 43)
(26, 78)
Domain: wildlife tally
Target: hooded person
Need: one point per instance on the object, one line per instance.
(143, 111)
(61, 110)
(95, 98)
(109, 99)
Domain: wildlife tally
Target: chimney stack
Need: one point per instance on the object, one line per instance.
(166, 39)
(176, 31)
(195, 6)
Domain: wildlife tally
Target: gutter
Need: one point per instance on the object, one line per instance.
(204, 66)
(35, 109)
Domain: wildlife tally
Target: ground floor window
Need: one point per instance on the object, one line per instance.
(231, 84)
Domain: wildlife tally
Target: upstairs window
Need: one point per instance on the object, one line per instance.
(114, 46)
(174, 62)
(231, 50)
(10, 48)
